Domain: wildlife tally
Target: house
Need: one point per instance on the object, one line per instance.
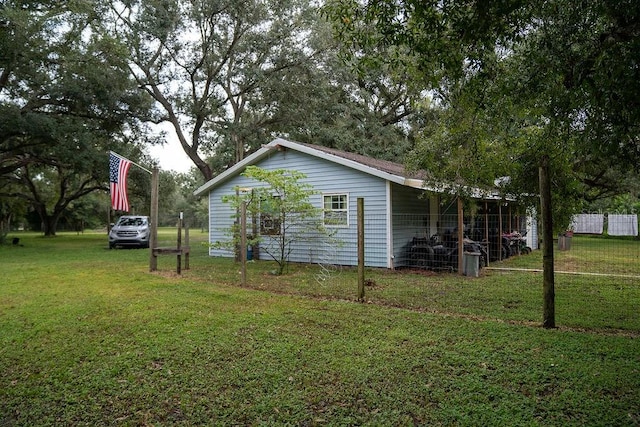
(398, 209)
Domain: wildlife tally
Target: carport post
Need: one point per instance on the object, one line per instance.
(486, 232)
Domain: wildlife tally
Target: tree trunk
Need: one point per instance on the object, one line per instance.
(50, 224)
(5, 227)
(238, 143)
(549, 320)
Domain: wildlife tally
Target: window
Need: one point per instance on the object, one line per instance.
(269, 226)
(336, 210)
(270, 223)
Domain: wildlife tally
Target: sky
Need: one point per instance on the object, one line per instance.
(171, 156)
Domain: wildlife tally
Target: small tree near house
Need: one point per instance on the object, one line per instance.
(280, 202)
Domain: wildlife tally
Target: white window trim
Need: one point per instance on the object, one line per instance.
(347, 209)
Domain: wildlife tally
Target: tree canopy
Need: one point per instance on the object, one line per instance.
(229, 76)
(548, 86)
(65, 99)
(514, 81)
(207, 64)
(473, 91)
(78, 78)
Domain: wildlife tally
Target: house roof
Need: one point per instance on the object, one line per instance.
(390, 171)
(381, 165)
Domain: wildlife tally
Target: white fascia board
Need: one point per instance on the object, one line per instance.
(415, 183)
(422, 185)
(475, 193)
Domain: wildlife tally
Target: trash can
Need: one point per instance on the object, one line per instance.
(471, 264)
(249, 253)
(564, 241)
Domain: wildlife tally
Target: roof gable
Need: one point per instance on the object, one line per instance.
(387, 170)
(384, 169)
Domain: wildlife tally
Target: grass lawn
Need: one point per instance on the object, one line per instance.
(596, 255)
(89, 337)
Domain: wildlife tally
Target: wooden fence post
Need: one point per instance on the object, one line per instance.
(500, 258)
(186, 243)
(153, 228)
(460, 237)
(179, 246)
(360, 249)
(548, 286)
(243, 242)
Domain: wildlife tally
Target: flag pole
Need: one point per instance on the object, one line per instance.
(132, 162)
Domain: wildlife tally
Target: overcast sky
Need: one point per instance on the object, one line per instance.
(171, 155)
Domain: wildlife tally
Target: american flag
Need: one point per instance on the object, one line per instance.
(118, 169)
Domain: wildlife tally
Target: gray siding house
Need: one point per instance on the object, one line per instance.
(397, 207)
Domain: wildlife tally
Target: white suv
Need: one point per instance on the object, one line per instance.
(130, 231)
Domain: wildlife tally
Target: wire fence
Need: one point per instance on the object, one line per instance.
(509, 242)
(597, 284)
(597, 276)
(412, 263)
(436, 242)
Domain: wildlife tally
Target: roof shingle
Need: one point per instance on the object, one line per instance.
(382, 165)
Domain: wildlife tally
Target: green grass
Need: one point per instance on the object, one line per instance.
(89, 337)
(589, 255)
